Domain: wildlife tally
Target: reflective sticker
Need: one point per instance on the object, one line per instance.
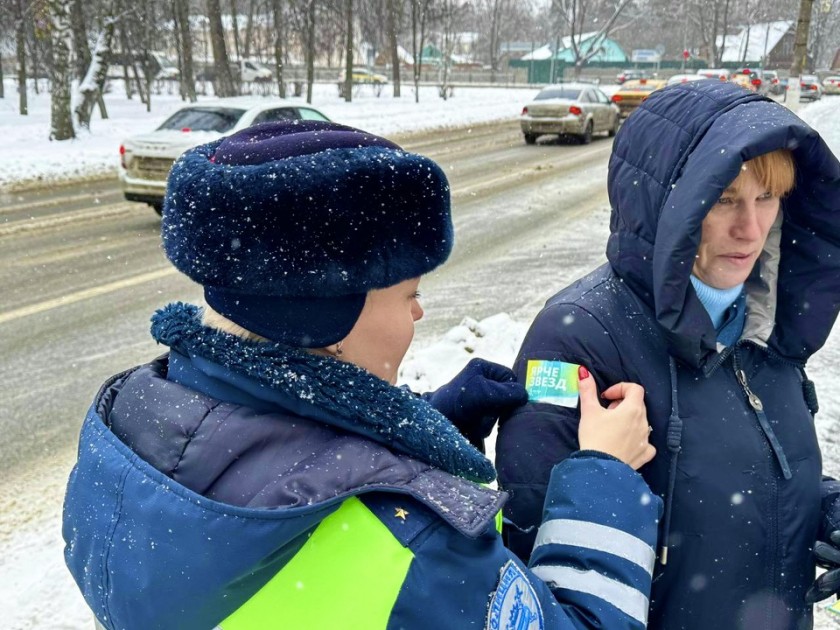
(514, 605)
(552, 382)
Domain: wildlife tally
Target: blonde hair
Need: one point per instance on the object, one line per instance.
(775, 171)
(217, 321)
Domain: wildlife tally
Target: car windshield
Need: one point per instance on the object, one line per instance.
(219, 119)
(566, 93)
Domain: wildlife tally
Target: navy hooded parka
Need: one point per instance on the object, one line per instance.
(738, 462)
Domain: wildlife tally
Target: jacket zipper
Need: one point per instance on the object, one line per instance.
(763, 421)
(775, 449)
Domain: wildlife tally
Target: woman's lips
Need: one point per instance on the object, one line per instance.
(738, 259)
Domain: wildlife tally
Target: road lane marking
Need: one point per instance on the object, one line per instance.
(55, 220)
(85, 294)
(57, 201)
(526, 175)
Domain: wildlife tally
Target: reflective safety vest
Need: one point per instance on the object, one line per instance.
(347, 575)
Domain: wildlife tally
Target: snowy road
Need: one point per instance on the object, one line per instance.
(79, 292)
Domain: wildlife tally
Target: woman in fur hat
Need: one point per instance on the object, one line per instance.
(267, 473)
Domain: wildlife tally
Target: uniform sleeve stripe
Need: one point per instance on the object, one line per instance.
(627, 599)
(599, 538)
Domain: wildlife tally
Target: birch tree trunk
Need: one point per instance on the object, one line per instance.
(61, 117)
(81, 52)
(91, 87)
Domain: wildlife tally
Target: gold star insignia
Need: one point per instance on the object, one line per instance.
(401, 513)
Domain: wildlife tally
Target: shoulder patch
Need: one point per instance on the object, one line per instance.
(514, 605)
(552, 382)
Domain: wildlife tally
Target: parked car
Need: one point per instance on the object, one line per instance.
(684, 78)
(773, 82)
(254, 70)
(569, 109)
(831, 85)
(810, 88)
(715, 73)
(629, 75)
(363, 76)
(630, 95)
(159, 66)
(146, 158)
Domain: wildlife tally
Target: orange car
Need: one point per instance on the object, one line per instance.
(632, 93)
(745, 81)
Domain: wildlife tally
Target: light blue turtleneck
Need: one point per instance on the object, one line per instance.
(715, 300)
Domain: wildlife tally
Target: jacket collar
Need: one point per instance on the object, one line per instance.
(322, 388)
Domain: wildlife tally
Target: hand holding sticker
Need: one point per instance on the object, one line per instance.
(622, 430)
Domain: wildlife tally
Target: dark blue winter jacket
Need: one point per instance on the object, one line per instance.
(250, 486)
(738, 462)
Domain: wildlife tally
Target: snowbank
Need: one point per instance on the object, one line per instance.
(28, 156)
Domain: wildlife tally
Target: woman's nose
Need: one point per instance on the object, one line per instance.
(747, 225)
(417, 312)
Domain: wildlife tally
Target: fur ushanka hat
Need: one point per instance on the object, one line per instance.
(288, 225)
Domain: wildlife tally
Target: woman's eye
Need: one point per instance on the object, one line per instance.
(416, 295)
(765, 196)
(724, 200)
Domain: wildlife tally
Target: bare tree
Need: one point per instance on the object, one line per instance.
(577, 17)
(81, 52)
(421, 16)
(825, 33)
(348, 52)
(448, 12)
(223, 83)
(20, 50)
(91, 86)
(393, 21)
(61, 118)
(310, 48)
(234, 16)
(498, 9)
(249, 28)
(279, 22)
(181, 11)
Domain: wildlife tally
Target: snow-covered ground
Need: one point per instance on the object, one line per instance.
(35, 589)
(28, 154)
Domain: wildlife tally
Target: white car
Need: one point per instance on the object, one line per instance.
(721, 74)
(147, 158)
(685, 78)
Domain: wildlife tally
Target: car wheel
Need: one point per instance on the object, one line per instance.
(530, 138)
(586, 138)
(614, 130)
(157, 207)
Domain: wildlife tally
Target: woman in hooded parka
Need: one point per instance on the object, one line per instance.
(723, 278)
(266, 473)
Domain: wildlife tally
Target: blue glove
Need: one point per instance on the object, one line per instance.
(828, 557)
(476, 397)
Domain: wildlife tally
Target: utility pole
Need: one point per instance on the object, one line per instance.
(800, 50)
